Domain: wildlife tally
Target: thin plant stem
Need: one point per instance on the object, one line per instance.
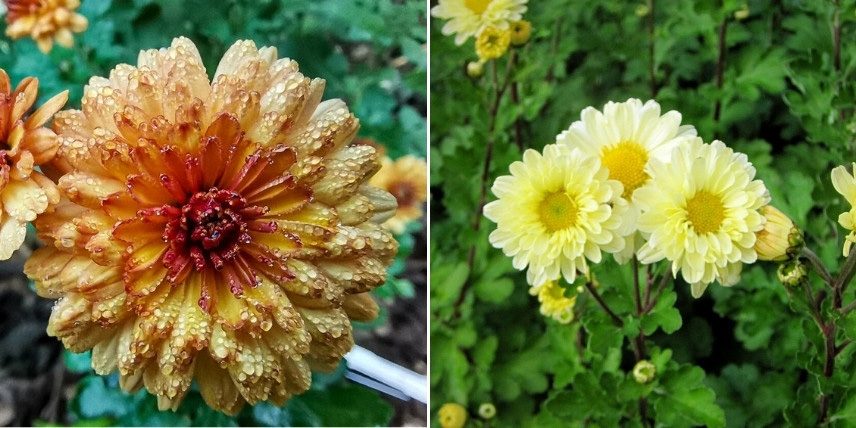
(652, 75)
(818, 266)
(615, 319)
(720, 65)
(499, 90)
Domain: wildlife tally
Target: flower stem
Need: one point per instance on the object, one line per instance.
(720, 66)
(818, 266)
(596, 295)
(499, 89)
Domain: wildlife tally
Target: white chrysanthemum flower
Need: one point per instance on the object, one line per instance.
(845, 184)
(467, 18)
(625, 137)
(700, 211)
(555, 211)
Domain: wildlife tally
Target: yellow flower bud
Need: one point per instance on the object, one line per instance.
(475, 69)
(452, 415)
(779, 240)
(644, 371)
(520, 32)
(487, 410)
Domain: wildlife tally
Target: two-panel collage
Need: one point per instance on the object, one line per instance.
(441, 213)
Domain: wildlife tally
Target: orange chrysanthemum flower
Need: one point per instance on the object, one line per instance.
(220, 231)
(45, 21)
(24, 144)
(407, 179)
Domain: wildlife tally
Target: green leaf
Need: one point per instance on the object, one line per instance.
(663, 315)
(343, 404)
(683, 400)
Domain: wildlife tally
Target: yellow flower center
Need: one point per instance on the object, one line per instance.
(705, 212)
(558, 211)
(626, 163)
(477, 6)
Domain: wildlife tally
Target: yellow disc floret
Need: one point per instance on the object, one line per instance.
(626, 163)
(558, 211)
(705, 212)
(477, 6)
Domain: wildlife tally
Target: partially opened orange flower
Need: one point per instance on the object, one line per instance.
(220, 231)
(24, 144)
(45, 21)
(407, 179)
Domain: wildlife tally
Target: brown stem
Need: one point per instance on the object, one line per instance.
(818, 266)
(499, 90)
(836, 37)
(652, 76)
(554, 47)
(663, 282)
(824, 406)
(596, 295)
(720, 67)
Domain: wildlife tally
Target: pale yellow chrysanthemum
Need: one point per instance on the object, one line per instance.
(555, 211)
(700, 211)
(45, 21)
(467, 18)
(845, 184)
(492, 43)
(406, 178)
(626, 136)
(554, 304)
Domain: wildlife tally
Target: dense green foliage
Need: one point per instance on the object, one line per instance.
(372, 55)
(776, 85)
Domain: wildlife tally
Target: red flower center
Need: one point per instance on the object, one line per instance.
(404, 193)
(208, 229)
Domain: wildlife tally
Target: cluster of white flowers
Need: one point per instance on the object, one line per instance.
(632, 182)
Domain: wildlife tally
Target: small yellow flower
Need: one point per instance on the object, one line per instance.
(467, 18)
(45, 21)
(452, 415)
(779, 239)
(406, 179)
(487, 410)
(520, 32)
(644, 371)
(554, 304)
(492, 43)
(845, 184)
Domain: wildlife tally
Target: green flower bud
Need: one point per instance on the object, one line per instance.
(487, 410)
(475, 69)
(644, 371)
(791, 273)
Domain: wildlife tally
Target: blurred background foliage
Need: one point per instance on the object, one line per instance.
(772, 79)
(372, 55)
